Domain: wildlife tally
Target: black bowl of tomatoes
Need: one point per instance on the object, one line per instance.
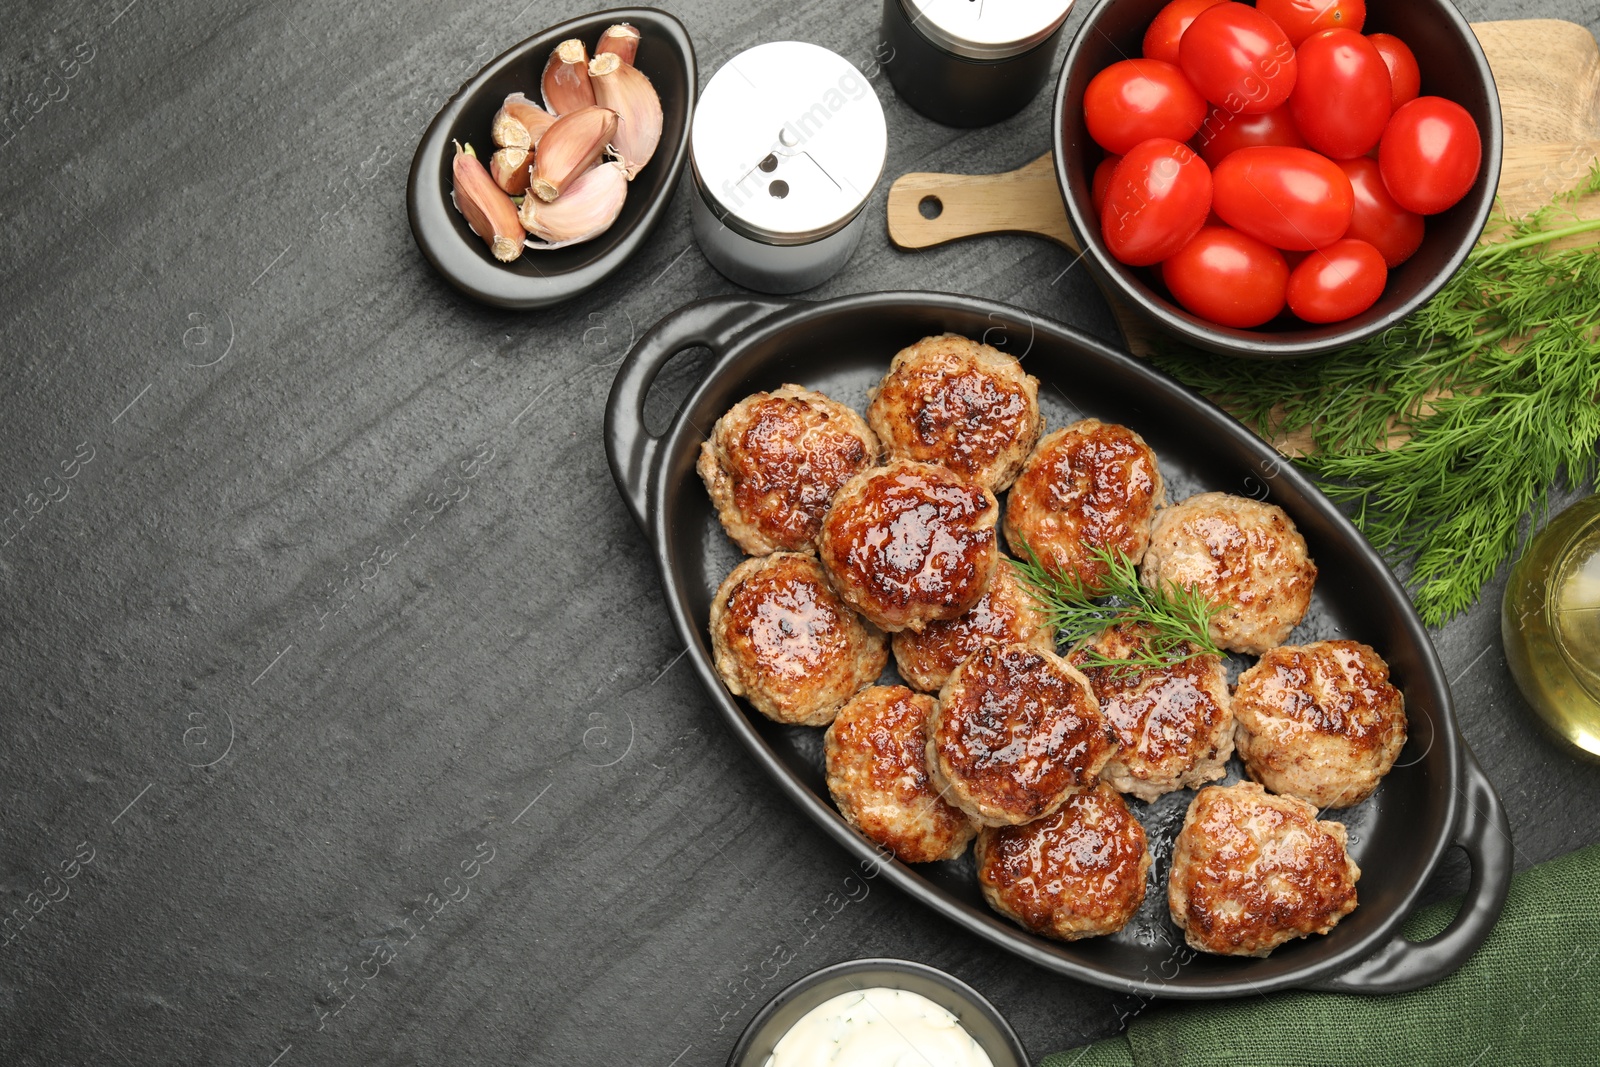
(1280, 179)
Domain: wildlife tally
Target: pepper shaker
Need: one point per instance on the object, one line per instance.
(788, 143)
(971, 62)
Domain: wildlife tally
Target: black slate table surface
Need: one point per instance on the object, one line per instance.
(278, 677)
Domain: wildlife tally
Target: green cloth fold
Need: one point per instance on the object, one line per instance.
(1531, 995)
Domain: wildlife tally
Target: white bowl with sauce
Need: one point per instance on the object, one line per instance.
(877, 1012)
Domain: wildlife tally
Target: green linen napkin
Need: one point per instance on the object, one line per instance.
(1531, 995)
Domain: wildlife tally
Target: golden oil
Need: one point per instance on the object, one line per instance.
(1550, 624)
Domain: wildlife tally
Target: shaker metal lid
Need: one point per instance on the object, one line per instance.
(986, 29)
(788, 142)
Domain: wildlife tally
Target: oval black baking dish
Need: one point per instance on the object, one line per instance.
(540, 279)
(1435, 797)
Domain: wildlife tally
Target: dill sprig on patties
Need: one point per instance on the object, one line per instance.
(1177, 619)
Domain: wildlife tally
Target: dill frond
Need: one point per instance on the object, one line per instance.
(1178, 618)
(1443, 434)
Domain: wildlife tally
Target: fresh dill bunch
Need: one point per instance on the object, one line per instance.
(1179, 619)
(1443, 433)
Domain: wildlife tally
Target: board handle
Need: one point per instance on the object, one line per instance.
(1026, 200)
(631, 448)
(1484, 833)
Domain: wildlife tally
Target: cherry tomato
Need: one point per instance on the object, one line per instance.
(1223, 134)
(1290, 198)
(1158, 199)
(1341, 99)
(1301, 18)
(1228, 277)
(1161, 39)
(1335, 283)
(1376, 219)
(1138, 99)
(1238, 58)
(1405, 77)
(1102, 182)
(1430, 154)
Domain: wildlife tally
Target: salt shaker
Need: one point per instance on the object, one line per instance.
(788, 143)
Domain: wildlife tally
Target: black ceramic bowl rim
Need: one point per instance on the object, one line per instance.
(1125, 282)
(966, 1003)
(540, 279)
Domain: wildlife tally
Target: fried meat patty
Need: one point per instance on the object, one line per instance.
(877, 761)
(910, 543)
(785, 642)
(1077, 873)
(1240, 552)
(1005, 614)
(1091, 485)
(774, 461)
(961, 404)
(1017, 731)
(1251, 871)
(1320, 721)
(1173, 724)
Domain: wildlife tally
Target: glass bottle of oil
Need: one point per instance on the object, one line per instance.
(1550, 624)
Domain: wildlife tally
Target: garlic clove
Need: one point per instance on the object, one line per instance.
(573, 144)
(585, 210)
(487, 208)
(566, 79)
(520, 122)
(507, 132)
(511, 169)
(621, 40)
(628, 92)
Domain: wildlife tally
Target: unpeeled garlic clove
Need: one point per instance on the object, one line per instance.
(487, 208)
(520, 122)
(629, 93)
(566, 79)
(621, 40)
(586, 209)
(509, 167)
(572, 144)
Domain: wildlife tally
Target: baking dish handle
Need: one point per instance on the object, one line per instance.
(631, 448)
(1484, 832)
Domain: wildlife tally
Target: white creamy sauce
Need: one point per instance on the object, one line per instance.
(878, 1028)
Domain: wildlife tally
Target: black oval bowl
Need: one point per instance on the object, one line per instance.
(1453, 66)
(539, 279)
(1435, 796)
(978, 1017)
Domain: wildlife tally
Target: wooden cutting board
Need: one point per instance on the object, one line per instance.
(1548, 74)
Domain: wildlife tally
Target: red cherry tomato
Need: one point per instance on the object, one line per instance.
(1341, 99)
(1228, 277)
(1238, 58)
(1376, 219)
(1161, 39)
(1223, 134)
(1430, 154)
(1102, 182)
(1335, 283)
(1138, 99)
(1290, 198)
(1301, 18)
(1158, 200)
(1405, 77)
